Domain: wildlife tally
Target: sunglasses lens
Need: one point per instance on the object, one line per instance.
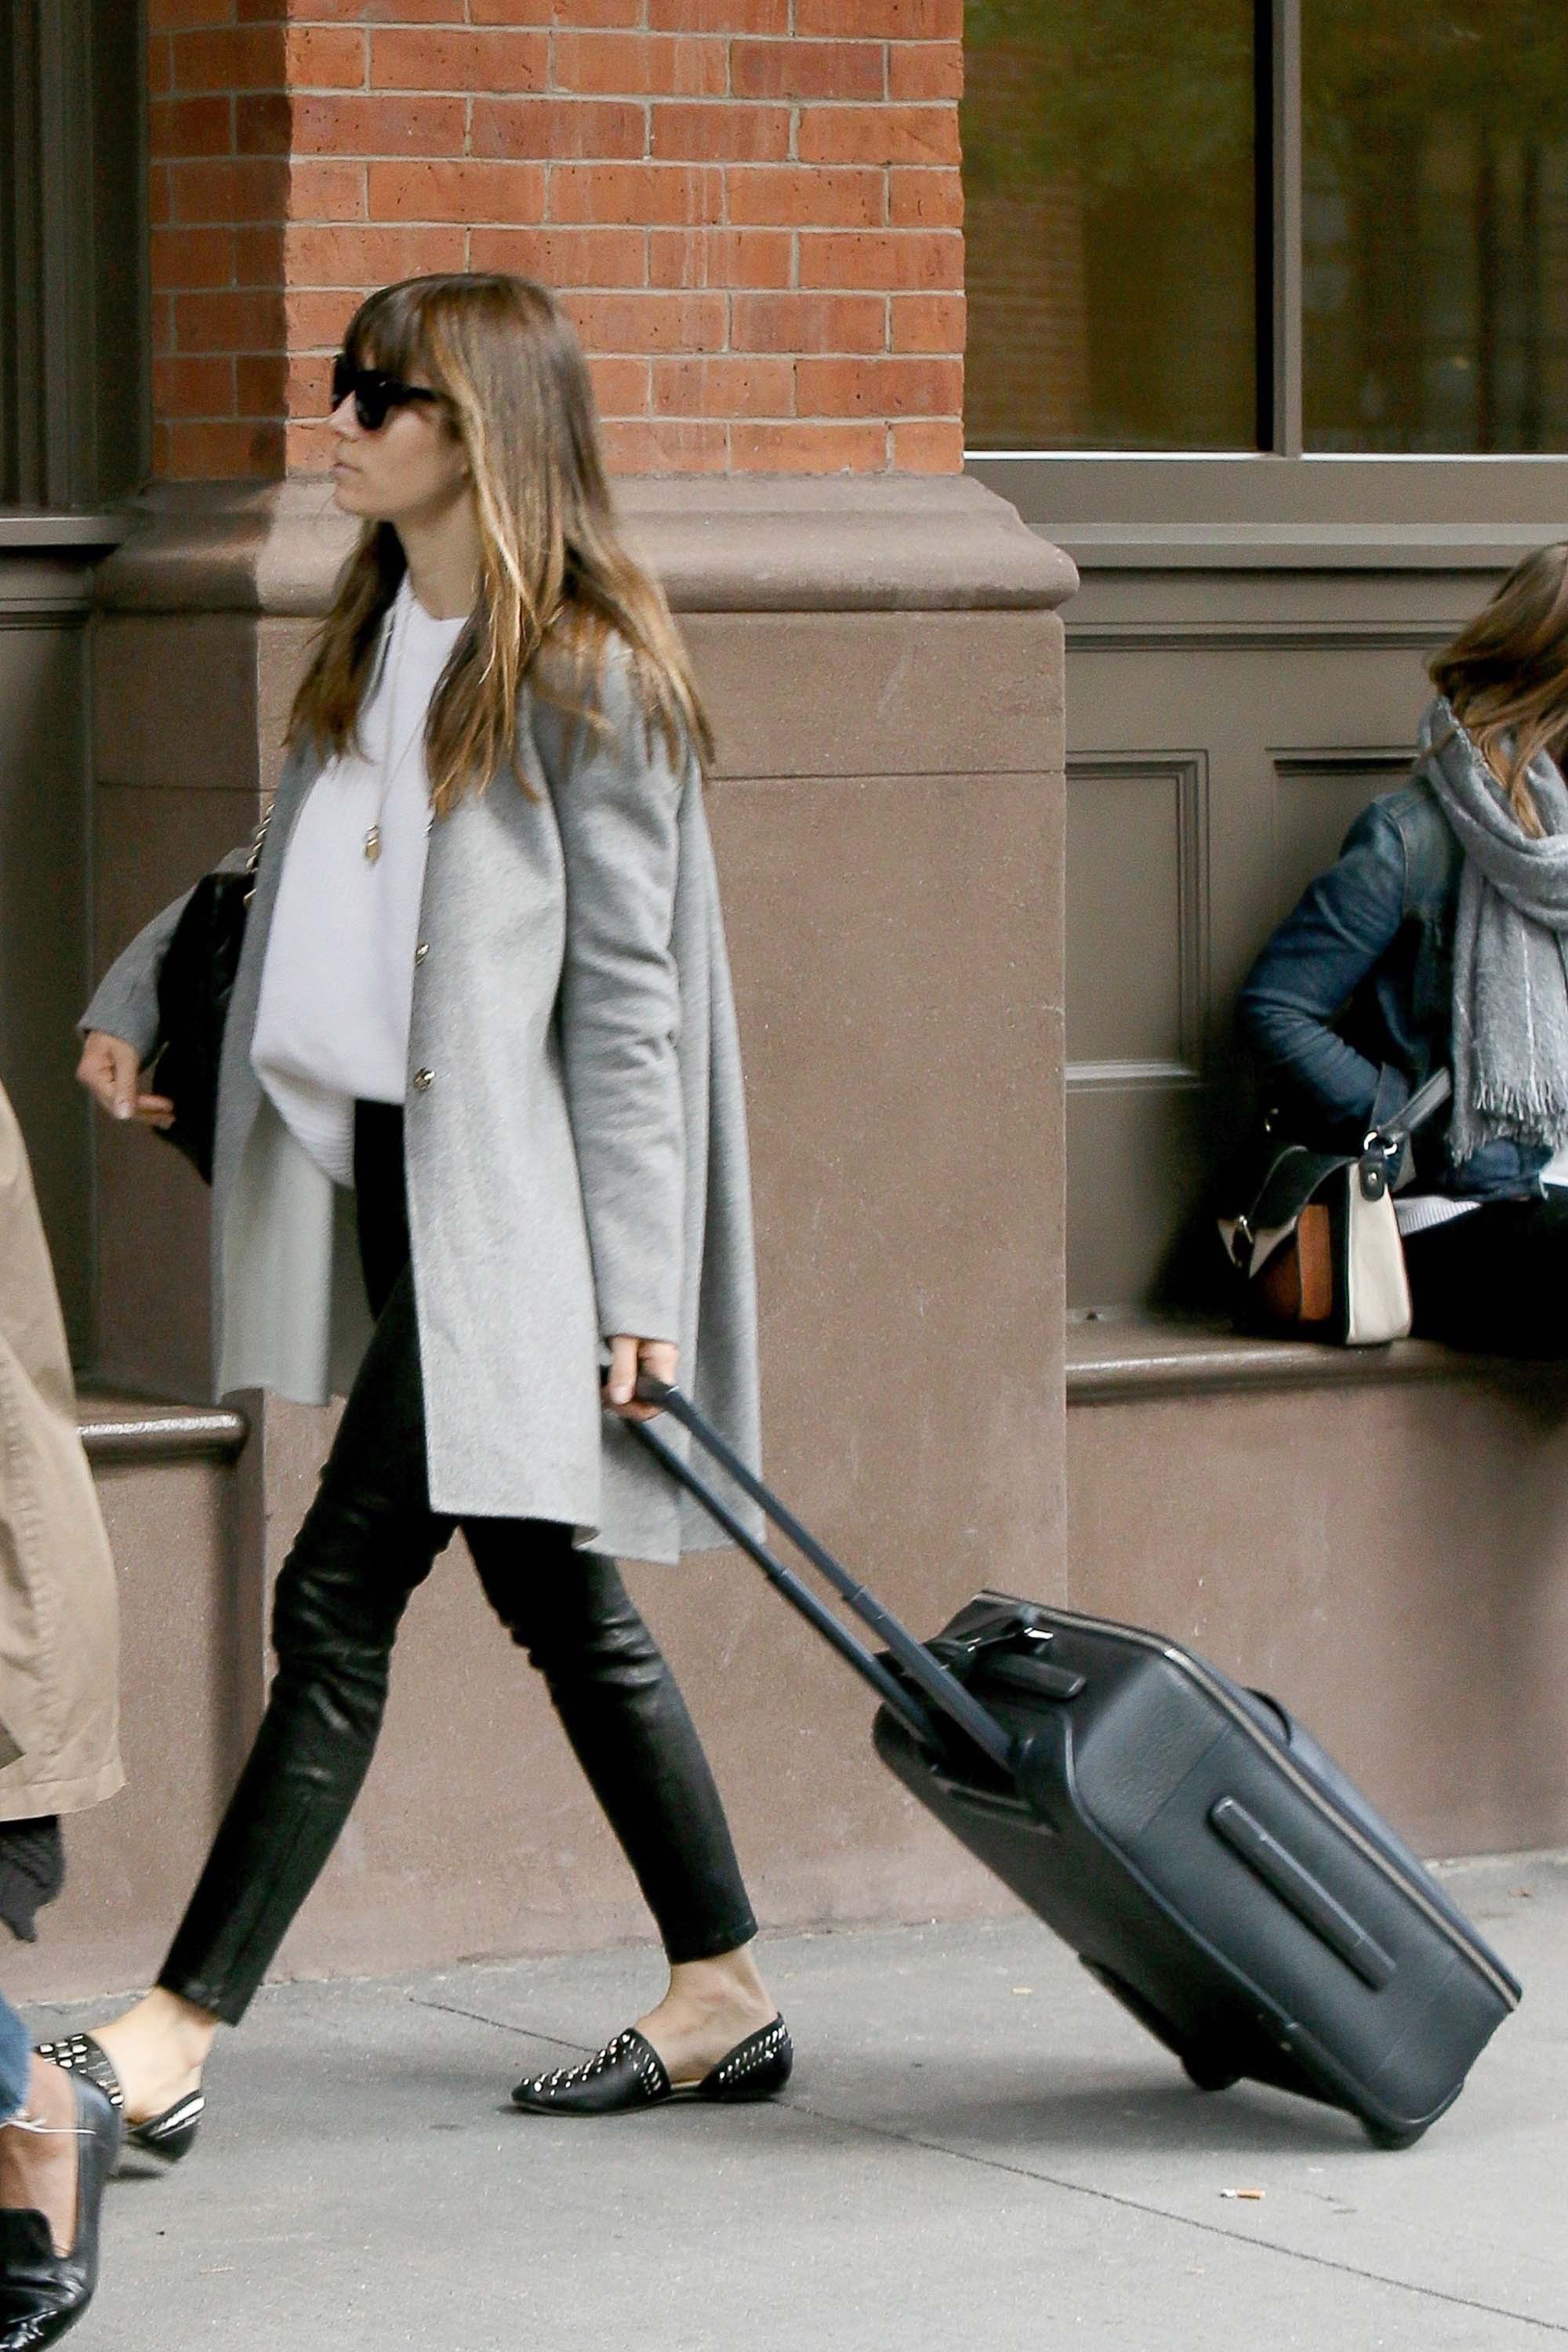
(372, 392)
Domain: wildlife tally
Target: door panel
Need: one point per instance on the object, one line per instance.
(1293, 701)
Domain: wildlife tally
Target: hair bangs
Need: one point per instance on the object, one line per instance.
(557, 583)
(389, 331)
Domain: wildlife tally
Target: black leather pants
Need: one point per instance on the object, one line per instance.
(368, 1540)
(1495, 1281)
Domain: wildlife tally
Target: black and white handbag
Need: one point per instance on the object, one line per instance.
(1316, 1241)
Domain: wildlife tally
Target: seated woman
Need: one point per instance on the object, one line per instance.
(1439, 938)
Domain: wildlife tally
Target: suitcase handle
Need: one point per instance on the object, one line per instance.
(799, 1594)
(933, 1679)
(1294, 1883)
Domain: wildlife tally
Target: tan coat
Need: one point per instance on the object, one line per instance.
(59, 1632)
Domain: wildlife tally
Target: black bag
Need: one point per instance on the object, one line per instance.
(1315, 1240)
(195, 981)
(1202, 1855)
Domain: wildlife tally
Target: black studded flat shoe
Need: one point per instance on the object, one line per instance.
(41, 2293)
(168, 2136)
(628, 2072)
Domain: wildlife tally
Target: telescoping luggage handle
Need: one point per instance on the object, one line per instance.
(944, 1689)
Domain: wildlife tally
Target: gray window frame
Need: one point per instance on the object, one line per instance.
(1255, 506)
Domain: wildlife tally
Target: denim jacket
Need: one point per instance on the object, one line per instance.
(1350, 1005)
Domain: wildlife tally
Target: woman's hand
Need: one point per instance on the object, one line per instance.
(629, 1357)
(109, 1069)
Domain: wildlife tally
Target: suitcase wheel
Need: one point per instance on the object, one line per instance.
(1207, 2073)
(1204, 2067)
(1392, 2136)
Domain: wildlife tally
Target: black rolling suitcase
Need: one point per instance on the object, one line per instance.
(1205, 1859)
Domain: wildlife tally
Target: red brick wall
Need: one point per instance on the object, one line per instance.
(753, 209)
(219, 144)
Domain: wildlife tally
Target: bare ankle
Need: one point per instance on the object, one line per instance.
(51, 2101)
(38, 2154)
(729, 1980)
(725, 1972)
(193, 2029)
(160, 2040)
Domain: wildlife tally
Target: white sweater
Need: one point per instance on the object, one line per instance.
(337, 988)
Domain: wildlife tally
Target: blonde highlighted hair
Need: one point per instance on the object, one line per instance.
(1506, 676)
(555, 582)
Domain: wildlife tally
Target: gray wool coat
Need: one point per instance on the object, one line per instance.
(575, 1139)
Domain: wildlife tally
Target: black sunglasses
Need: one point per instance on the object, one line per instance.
(375, 392)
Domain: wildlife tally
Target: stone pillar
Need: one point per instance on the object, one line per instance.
(46, 609)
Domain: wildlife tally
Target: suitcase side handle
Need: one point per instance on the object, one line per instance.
(933, 1679)
(1295, 1884)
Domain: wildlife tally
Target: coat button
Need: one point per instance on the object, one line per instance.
(422, 1081)
(422, 950)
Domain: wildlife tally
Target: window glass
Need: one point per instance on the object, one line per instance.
(1110, 179)
(1435, 262)
(75, 412)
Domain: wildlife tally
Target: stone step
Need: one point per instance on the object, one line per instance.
(1379, 1536)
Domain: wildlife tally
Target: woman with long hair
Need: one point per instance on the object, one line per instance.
(480, 1159)
(1439, 938)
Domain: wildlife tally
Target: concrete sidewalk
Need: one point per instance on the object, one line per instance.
(977, 2150)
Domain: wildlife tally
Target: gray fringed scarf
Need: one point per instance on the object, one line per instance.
(1510, 978)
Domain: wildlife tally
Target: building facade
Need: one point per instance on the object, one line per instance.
(1263, 317)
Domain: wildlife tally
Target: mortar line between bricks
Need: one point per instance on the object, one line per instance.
(1074, 2188)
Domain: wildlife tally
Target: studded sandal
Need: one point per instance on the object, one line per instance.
(628, 2073)
(167, 2136)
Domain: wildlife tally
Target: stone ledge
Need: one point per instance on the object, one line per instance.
(1298, 547)
(1065, 492)
(118, 1428)
(1124, 1358)
(761, 543)
(30, 529)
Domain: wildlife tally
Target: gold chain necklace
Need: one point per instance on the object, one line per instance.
(391, 768)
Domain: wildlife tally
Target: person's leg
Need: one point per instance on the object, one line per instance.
(621, 1710)
(16, 2062)
(1495, 1281)
(368, 1540)
(59, 2139)
(37, 2134)
(381, 1197)
(56, 2142)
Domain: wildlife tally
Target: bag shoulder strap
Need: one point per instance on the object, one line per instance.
(1295, 1172)
(1293, 1178)
(1426, 1099)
